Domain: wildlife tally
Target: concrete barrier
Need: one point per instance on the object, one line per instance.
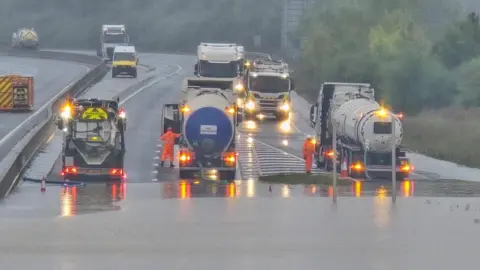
(14, 165)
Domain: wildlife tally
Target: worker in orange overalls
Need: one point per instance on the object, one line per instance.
(168, 144)
(308, 150)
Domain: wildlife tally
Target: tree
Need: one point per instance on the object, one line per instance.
(460, 43)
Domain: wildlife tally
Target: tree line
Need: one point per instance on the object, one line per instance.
(419, 54)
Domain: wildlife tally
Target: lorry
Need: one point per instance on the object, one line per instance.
(268, 90)
(110, 37)
(25, 38)
(364, 131)
(221, 61)
(94, 139)
(208, 122)
(16, 93)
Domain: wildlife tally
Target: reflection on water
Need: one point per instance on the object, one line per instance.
(91, 198)
(184, 189)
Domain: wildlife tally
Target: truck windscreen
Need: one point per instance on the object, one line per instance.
(118, 38)
(123, 56)
(92, 131)
(218, 70)
(269, 84)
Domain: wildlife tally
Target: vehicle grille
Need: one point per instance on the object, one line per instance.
(268, 104)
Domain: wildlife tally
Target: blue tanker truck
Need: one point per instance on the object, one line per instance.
(208, 122)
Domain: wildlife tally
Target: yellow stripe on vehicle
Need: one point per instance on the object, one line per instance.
(6, 99)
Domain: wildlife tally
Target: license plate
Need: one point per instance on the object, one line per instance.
(94, 171)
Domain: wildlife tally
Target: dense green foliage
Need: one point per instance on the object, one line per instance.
(417, 53)
(168, 25)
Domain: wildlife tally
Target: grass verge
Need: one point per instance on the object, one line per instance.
(449, 134)
(303, 179)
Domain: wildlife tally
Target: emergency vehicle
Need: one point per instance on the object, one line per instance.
(94, 139)
(268, 90)
(110, 37)
(16, 93)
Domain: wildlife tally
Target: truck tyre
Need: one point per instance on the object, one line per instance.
(227, 176)
(114, 73)
(134, 74)
(186, 174)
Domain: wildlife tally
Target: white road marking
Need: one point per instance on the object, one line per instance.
(156, 157)
(179, 68)
(39, 110)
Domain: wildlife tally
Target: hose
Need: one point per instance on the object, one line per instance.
(53, 182)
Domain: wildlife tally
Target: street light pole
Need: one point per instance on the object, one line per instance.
(394, 161)
(334, 159)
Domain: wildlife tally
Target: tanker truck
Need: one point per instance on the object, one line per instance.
(207, 121)
(25, 38)
(364, 132)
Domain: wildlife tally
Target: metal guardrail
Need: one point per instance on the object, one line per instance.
(15, 164)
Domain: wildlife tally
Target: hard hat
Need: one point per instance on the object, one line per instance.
(309, 136)
(169, 128)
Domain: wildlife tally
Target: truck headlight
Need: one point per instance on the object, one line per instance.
(250, 105)
(285, 107)
(239, 87)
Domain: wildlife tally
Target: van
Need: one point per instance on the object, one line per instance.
(124, 61)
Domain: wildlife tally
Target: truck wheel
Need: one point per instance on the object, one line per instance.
(186, 174)
(114, 73)
(227, 176)
(134, 74)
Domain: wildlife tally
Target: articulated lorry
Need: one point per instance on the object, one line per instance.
(94, 139)
(110, 37)
(364, 132)
(207, 121)
(268, 91)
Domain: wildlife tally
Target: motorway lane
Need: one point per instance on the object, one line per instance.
(50, 77)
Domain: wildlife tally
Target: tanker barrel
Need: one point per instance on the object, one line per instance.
(208, 127)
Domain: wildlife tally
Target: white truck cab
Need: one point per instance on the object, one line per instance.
(268, 90)
(110, 37)
(219, 60)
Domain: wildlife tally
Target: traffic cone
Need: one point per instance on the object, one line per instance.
(344, 170)
(43, 187)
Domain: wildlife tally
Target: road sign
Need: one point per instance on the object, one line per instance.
(94, 114)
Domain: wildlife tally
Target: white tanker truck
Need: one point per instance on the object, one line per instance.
(364, 132)
(207, 121)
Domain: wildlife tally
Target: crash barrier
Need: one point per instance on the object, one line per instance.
(17, 161)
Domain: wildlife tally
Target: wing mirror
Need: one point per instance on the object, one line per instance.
(313, 110)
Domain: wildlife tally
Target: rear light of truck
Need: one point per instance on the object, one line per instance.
(116, 172)
(230, 158)
(357, 167)
(185, 156)
(69, 170)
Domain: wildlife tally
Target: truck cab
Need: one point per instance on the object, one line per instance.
(268, 90)
(125, 60)
(110, 37)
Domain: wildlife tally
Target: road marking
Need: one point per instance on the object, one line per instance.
(40, 110)
(179, 68)
(156, 157)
